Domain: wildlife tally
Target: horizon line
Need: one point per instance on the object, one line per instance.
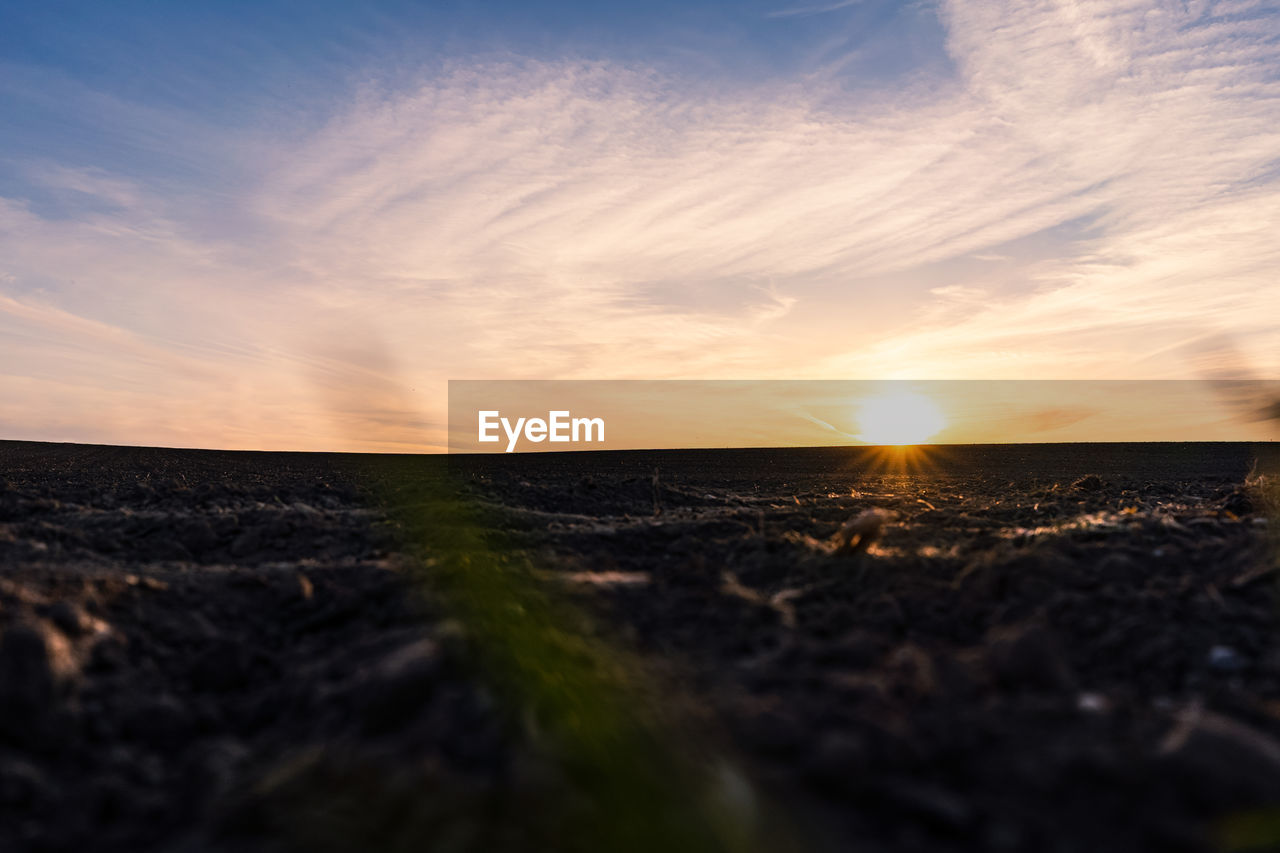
(549, 452)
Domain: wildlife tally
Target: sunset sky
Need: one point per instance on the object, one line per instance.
(287, 225)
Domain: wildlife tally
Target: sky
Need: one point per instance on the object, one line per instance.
(286, 225)
(490, 416)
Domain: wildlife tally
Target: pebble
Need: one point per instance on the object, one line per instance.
(1093, 703)
(1225, 659)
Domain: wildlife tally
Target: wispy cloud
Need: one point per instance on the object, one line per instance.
(818, 9)
(518, 220)
(1172, 112)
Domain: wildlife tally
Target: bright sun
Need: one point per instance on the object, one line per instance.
(898, 417)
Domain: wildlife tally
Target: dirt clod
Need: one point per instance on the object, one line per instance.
(1088, 483)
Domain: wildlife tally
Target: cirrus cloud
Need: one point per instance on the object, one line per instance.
(571, 219)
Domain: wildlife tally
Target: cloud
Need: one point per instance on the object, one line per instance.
(616, 176)
(521, 219)
(1171, 112)
(812, 10)
(961, 293)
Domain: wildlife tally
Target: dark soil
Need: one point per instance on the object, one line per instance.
(1027, 648)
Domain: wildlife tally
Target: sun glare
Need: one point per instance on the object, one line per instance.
(898, 418)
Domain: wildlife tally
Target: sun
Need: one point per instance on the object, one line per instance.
(898, 418)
